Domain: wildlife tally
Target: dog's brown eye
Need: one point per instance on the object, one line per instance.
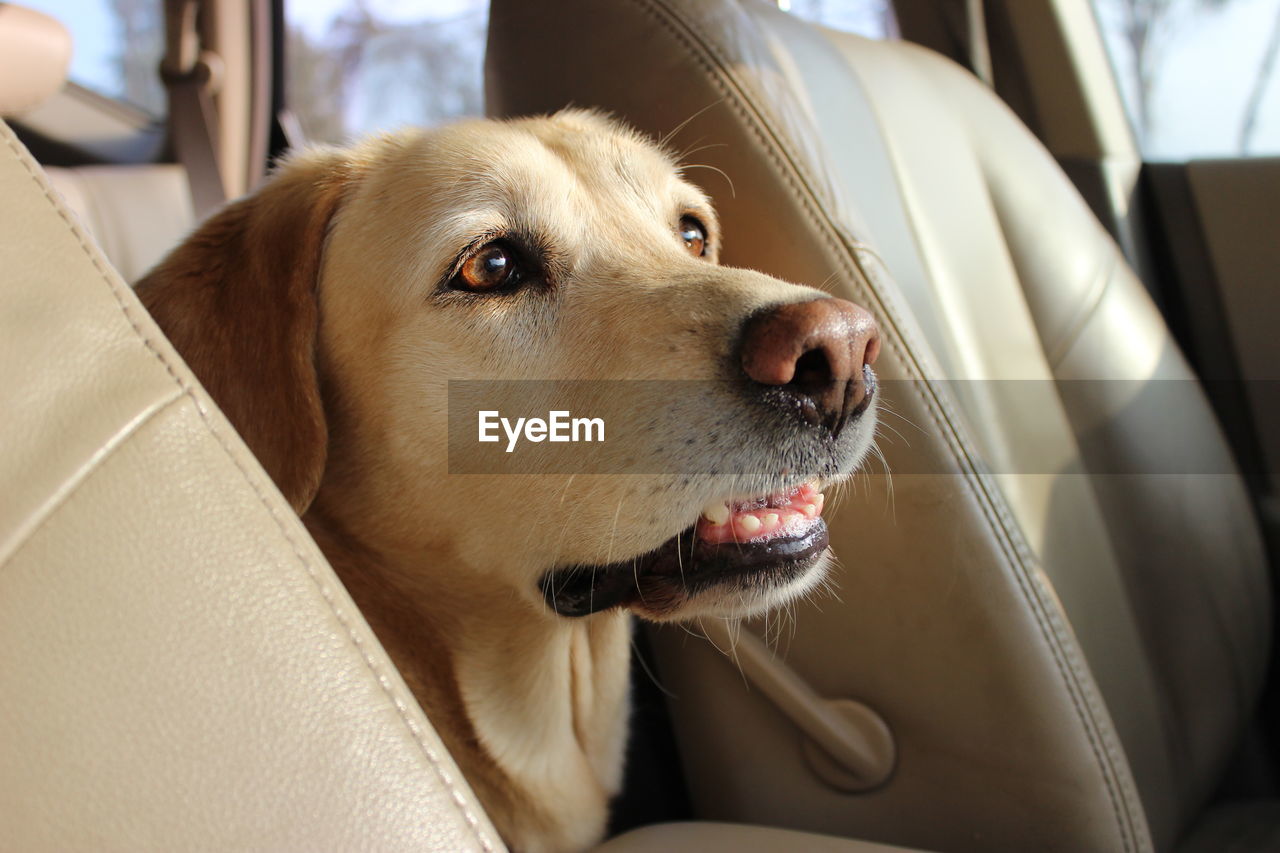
(694, 235)
(491, 268)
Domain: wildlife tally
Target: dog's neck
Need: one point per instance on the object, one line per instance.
(532, 707)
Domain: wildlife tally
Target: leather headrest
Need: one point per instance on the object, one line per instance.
(35, 51)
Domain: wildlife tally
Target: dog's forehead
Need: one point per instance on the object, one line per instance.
(525, 162)
(590, 145)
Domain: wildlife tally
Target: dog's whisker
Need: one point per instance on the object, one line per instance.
(832, 277)
(733, 191)
(795, 620)
(680, 554)
(547, 585)
(693, 148)
(890, 496)
(697, 149)
(889, 428)
(788, 618)
(649, 673)
(635, 575)
(613, 534)
(565, 491)
(885, 408)
(591, 591)
(685, 626)
(706, 635)
(670, 135)
(733, 628)
(568, 521)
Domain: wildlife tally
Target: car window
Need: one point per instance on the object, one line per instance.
(870, 18)
(116, 47)
(356, 66)
(1198, 77)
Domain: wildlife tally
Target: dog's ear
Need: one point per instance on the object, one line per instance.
(238, 301)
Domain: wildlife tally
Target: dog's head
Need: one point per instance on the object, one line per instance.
(328, 312)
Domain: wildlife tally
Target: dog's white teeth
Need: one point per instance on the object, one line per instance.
(810, 510)
(749, 524)
(770, 521)
(716, 512)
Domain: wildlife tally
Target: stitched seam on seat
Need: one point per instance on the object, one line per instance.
(1129, 802)
(1171, 723)
(894, 158)
(68, 488)
(800, 184)
(325, 592)
(1079, 665)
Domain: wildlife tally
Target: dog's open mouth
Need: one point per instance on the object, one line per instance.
(764, 541)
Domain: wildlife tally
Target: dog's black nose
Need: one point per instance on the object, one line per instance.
(817, 353)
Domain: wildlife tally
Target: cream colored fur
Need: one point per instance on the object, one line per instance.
(446, 568)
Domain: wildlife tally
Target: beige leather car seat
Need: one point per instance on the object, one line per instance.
(136, 214)
(1059, 604)
(180, 669)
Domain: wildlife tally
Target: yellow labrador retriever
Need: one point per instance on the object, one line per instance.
(327, 314)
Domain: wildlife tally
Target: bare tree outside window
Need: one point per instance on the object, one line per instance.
(314, 88)
(117, 47)
(377, 66)
(138, 51)
(1146, 25)
(1157, 44)
(870, 18)
(365, 65)
(1261, 82)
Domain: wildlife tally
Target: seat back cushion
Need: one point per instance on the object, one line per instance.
(181, 668)
(136, 214)
(947, 622)
(889, 175)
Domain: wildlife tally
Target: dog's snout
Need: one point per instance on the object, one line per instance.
(817, 352)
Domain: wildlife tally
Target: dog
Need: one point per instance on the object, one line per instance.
(327, 313)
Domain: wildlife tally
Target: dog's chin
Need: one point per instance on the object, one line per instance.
(741, 557)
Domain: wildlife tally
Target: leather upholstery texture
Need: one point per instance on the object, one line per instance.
(1058, 602)
(181, 669)
(35, 52)
(735, 838)
(136, 214)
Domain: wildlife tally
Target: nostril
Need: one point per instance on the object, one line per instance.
(873, 347)
(814, 355)
(812, 371)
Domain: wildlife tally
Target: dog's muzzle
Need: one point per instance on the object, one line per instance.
(809, 364)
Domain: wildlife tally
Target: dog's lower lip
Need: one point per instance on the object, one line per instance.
(685, 561)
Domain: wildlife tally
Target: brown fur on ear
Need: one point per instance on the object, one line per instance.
(238, 301)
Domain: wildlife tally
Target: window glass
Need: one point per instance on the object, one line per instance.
(1198, 77)
(116, 47)
(356, 66)
(870, 18)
